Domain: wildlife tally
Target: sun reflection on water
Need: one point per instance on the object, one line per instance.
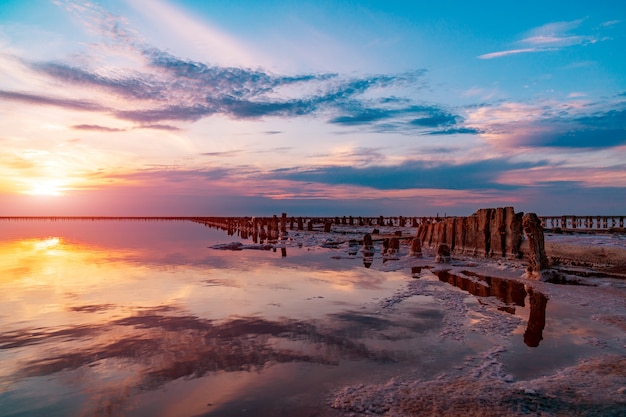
(104, 324)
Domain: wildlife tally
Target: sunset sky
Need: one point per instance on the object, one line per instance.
(157, 107)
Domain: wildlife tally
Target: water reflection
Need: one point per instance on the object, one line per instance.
(159, 347)
(101, 319)
(537, 319)
(512, 293)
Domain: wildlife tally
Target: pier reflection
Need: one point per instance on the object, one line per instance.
(510, 292)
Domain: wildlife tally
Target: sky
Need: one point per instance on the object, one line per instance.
(209, 108)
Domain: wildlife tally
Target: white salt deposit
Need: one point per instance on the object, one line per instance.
(591, 385)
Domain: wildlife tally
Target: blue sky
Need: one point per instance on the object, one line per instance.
(154, 107)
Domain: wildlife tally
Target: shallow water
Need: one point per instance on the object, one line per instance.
(143, 318)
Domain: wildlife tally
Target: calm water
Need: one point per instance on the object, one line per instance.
(144, 319)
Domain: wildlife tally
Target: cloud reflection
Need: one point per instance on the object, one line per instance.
(160, 346)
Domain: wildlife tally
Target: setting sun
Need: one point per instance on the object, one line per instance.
(46, 188)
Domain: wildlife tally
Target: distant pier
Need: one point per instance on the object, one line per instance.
(583, 223)
(274, 225)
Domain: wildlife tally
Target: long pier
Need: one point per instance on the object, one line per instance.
(584, 223)
(566, 223)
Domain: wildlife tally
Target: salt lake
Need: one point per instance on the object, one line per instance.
(147, 318)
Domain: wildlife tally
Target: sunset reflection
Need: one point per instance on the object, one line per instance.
(107, 318)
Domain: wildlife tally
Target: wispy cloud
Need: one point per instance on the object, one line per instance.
(611, 23)
(222, 153)
(40, 99)
(500, 54)
(549, 37)
(174, 89)
(199, 37)
(98, 128)
(157, 90)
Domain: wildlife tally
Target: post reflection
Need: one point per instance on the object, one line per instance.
(537, 319)
(511, 292)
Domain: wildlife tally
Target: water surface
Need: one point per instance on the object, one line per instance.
(143, 318)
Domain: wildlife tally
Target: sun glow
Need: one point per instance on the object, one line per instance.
(46, 188)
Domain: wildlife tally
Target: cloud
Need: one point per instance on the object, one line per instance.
(275, 150)
(611, 23)
(198, 37)
(97, 128)
(155, 89)
(500, 54)
(28, 98)
(105, 129)
(222, 154)
(167, 88)
(457, 131)
(160, 127)
(574, 126)
(100, 21)
(403, 118)
(436, 119)
(549, 37)
(411, 175)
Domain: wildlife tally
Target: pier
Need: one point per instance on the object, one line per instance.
(275, 224)
(589, 224)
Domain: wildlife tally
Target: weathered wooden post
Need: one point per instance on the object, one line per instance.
(394, 245)
(443, 254)
(416, 248)
(537, 260)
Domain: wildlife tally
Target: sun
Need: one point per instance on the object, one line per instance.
(46, 188)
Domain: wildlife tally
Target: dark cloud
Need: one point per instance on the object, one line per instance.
(595, 131)
(456, 131)
(438, 119)
(97, 128)
(40, 99)
(389, 117)
(364, 116)
(412, 174)
(582, 138)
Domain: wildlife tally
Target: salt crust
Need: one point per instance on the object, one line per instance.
(596, 386)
